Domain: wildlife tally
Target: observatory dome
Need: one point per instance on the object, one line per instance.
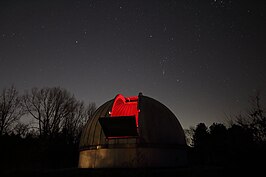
(136, 131)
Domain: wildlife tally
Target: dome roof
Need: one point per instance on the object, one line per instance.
(155, 123)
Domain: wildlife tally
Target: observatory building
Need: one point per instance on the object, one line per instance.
(132, 132)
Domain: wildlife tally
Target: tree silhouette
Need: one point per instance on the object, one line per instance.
(218, 143)
(240, 144)
(201, 136)
(73, 123)
(201, 141)
(254, 119)
(21, 129)
(10, 109)
(50, 107)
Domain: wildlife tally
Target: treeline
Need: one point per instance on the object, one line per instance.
(241, 144)
(40, 128)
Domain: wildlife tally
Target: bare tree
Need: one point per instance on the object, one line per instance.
(10, 109)
(90, 111)
(49, 106)
(74, 122)
(21, 129)
(254, 119)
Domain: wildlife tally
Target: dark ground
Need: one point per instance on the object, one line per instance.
(139, 172)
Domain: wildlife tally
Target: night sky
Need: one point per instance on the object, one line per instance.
(203, 59)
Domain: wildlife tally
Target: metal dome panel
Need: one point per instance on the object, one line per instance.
(160, 141)
(156, 123)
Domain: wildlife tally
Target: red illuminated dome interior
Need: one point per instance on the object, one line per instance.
(125, 106)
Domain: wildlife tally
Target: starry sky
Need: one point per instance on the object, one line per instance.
(203, 59)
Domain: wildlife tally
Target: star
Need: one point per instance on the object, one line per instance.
(163, 72)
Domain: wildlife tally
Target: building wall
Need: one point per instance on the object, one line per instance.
(132, 158)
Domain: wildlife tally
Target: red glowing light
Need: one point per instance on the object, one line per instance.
(125, 106)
